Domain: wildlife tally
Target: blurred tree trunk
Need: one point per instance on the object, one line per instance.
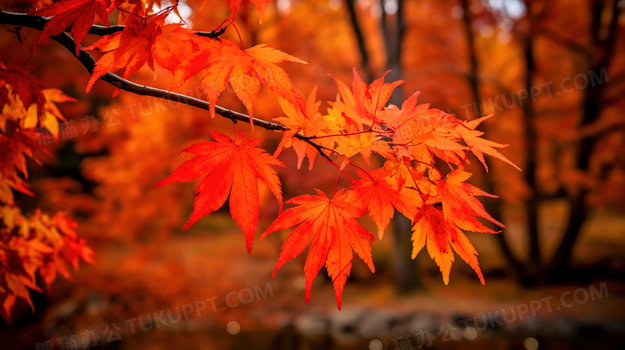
(603, 33)
(393, 27)
(360, 39)
(532, 203)
(604, 38)
(493, 207)
(404, 267)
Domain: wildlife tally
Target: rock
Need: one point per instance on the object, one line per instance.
(312, 327)
(344, 326)
(377, 324)
(562, 327)
(420, 322)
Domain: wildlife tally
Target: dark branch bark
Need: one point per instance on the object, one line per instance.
(360, 38)
(88, 61)
(103, 30)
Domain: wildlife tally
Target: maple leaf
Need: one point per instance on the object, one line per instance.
(176, 44)
(38, 244)
(28, 87)
(366, 100)
(13, 152)
(51, 114)
(421, 133)
(231, 167)
(459, 197)
(332, 227)
(394, 117)
(73, 247)
(478, 145)
(431, 227)
(78, 14)
(17, 286)
(308, 123)
(244, 70)
(363, 143)
(129, 49)
(378, 193)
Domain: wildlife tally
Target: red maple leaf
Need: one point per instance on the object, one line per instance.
(332, 227)
(440, 234)
(27, 86)
(378, 193)
(78, 14)
(244, 70)
(231, 167)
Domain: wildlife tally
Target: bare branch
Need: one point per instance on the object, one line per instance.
(103, 30)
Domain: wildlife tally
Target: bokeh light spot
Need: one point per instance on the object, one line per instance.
(233, 327)
(530, 343)
(375, 345)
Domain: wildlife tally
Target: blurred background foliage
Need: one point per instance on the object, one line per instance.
(552, 72)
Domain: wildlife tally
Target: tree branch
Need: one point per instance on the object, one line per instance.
(104, 30)
(37, 22)
(560, 40)
(95, 29)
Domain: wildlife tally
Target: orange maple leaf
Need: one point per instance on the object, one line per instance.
(458, 197)
(332, 227)
(129, 49)
(378, 193)
(431, 226)
(363, 143)
(231, 167)
(478, 145)
(78, 14)
(176, 44)
(13, 152)
(308, 123)
(366, 100)
(244, 70)
(18, 287)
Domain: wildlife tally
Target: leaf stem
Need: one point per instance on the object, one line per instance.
(431, 166)
(363, 170)
(336, 183)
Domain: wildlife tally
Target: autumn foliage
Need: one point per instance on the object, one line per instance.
(35, 244)
(423, 175)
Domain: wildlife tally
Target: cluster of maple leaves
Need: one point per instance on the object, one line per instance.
(35, 244)
(411, 139)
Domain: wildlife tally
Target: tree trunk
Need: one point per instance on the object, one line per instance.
(561, 265)
(494, 208)
(532, 204)
(405, 269)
